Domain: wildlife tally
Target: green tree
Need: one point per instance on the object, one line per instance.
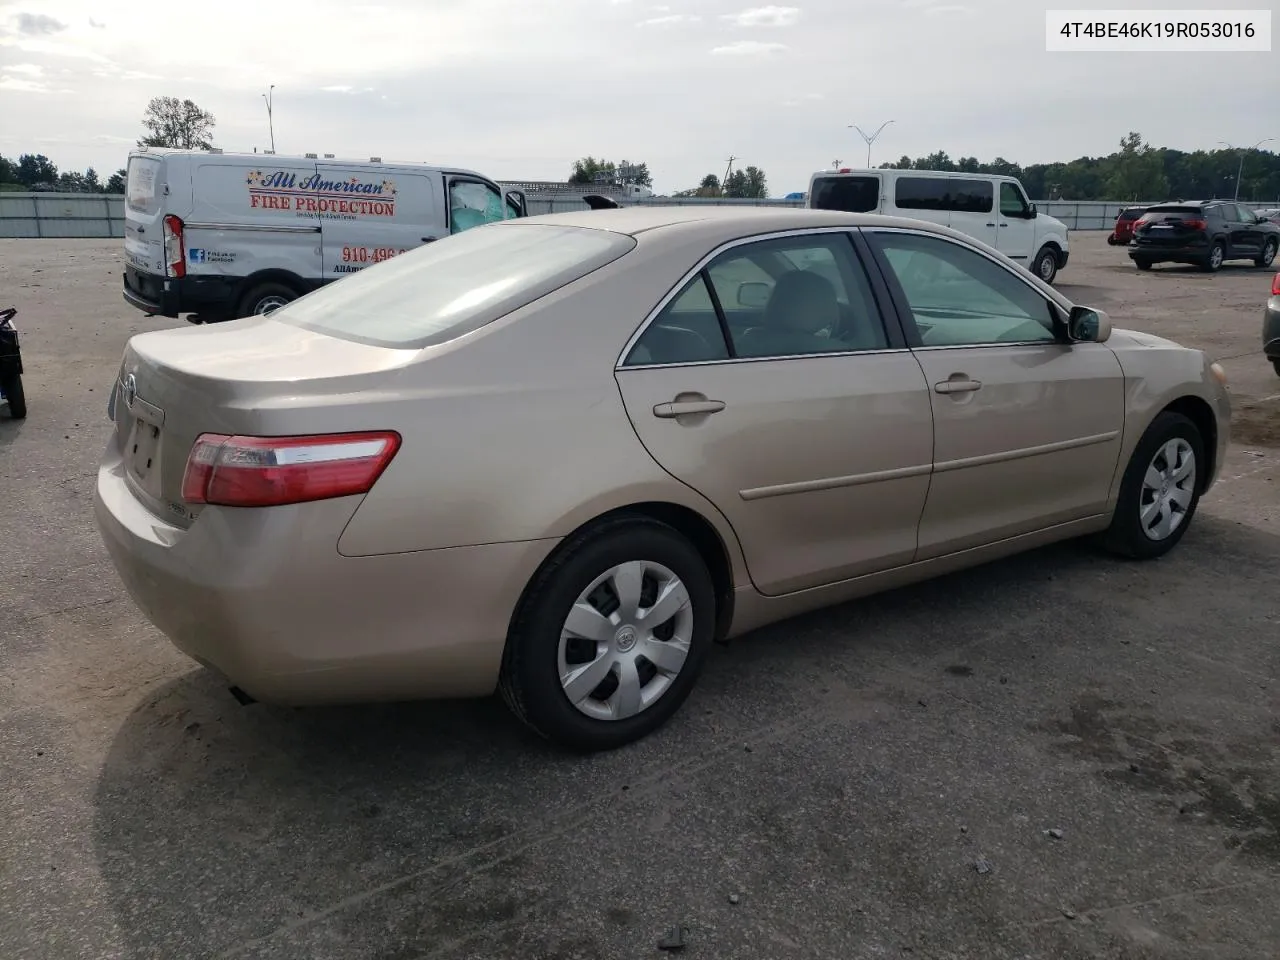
(116, 182)
(170, 122)
(35, 168)
(587, 171)
(1137, 173)
(91, 181)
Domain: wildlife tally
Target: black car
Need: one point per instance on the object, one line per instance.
(1205, 233)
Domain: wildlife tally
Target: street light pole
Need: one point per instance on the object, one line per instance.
(870, 139)
(1240, 167)
(270, 122)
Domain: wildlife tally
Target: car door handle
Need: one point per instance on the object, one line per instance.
(685, 408)
(429, 239)
(958, 384)
(990, 224)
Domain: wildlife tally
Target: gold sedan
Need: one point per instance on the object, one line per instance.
(560, 456)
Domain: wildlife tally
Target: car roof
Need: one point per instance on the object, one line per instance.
(720, 222)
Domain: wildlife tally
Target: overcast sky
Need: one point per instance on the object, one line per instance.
(519, 88)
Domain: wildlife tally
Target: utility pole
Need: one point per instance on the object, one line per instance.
(1240, 168)
(869, 138)
(835, 164)
(724, 184)
(270, 121)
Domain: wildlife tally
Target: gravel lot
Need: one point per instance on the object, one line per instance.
(1058, 756)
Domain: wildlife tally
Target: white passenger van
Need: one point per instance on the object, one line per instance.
(223, 235)
(987, 207)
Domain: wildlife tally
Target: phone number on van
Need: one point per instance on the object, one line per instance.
(368, 254)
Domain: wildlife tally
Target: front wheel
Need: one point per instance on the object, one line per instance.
(1159, 491)
(1046, 264)
(611, 637)
(1142, 264)
(1275, 365)
(1268, 253)
(11, 387)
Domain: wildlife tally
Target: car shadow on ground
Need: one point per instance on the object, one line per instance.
(228, 830)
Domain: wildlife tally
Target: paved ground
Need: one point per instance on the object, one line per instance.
(840, 775)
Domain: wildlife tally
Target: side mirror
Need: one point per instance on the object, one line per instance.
(1032, 212)
(753, 294)
(1087, 325)
(1260, 220)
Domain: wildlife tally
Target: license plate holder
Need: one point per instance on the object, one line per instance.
(143, 454)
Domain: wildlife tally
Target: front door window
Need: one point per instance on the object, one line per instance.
(472, 204)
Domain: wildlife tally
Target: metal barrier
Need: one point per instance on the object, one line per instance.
(61, 215)
(37, 215)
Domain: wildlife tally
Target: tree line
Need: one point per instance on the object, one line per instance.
(1137, 171)
(166, 122)
(746, 183)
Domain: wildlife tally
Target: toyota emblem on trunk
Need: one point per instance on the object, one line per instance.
(130, 390)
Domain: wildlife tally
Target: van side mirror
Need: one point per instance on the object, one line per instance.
(1031, 212)
(1087, 325)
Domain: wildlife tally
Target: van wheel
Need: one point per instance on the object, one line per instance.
(1046, 264)
(264, 298)
(17, 399)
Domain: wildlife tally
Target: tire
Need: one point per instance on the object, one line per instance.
(1046, 264)
(1142, 264)
(1268, 254)
(264, 298)
(1111, 240)
(1275, 365)
(1217, 253)
(536, 657)
(15, 396)
(1127, 535)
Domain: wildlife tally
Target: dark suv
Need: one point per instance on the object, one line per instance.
(1204, 233)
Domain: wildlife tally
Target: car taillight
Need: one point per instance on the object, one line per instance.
(1275, 286)
(273, 471)
(1194, 224)
(175, 253)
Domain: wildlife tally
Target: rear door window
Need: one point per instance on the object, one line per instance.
(972, 196)
(847, 194)
(140, 184)
(922, 193)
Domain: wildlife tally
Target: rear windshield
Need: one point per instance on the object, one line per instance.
(1130, 214)
(140, 187)
(445, 289)
(847, 194)
(1181, 211)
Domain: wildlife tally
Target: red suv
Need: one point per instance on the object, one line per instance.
(1123, 231)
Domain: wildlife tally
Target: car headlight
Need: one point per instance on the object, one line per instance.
(1218, 373)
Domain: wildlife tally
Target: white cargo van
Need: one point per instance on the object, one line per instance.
(987, 207)
(225, 235)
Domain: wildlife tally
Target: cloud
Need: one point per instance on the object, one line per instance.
(38, 24)
(337, 88)
(805, 98)
(19, 85)
(669, 20)
(748, 48)
(764, 17)
(95, 24)
(26, 69)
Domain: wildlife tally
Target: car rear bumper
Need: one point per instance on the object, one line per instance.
(172, 296)
(1271, 329)
(264, 598)
(1191, 252)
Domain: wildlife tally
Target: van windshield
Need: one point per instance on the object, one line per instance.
(846, 194)
(455, 285)
(140, 184)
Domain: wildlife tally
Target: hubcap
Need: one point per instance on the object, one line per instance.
(1046, 267)
(625, 640)
(1269, 253)
(1167, 489)
(1215, 257)
(267, 304)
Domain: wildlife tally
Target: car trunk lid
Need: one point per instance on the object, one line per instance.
(251, 377)
(1172, 225)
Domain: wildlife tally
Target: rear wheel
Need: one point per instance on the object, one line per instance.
(1275, 365)
(1268, 253)
(1142, 264)
(264, 298)
(1217, 253)
(611, 637)
(1159, 491)
(11, 387)
(1046, 264)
